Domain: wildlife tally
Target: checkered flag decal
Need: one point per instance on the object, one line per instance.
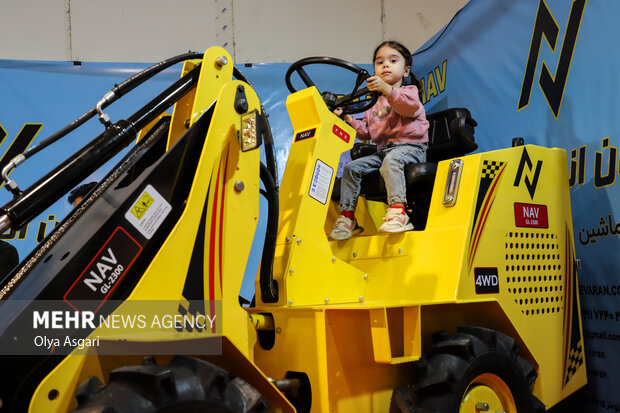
(490, 168)
(189, 311)
(575, 361)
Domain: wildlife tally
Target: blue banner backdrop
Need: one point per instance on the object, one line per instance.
(545, 70)
(541, 70)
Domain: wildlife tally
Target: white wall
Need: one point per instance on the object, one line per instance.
(253, 31)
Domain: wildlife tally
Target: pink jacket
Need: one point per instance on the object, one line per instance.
(399, 117)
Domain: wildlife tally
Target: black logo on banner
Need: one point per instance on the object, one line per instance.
(546, 26)
(105, 270)
(487, 280)
(529, 183)
(305, 135)
(20, 143)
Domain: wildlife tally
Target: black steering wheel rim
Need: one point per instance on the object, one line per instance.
(344, 100)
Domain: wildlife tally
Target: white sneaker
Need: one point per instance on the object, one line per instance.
(395, 221)
(345, 228)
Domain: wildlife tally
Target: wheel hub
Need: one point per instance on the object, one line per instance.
(488, 393)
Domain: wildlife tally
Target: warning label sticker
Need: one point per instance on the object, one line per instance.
(321, 178)
(148, 212)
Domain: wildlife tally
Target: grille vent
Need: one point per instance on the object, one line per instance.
(534, 272)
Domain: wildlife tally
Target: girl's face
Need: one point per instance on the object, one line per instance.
(390, 66)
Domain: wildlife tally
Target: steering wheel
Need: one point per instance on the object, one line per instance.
(345, 102)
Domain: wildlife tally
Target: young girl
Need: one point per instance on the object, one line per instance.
(397, 124)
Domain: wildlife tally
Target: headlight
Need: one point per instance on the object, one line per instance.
(251, 132)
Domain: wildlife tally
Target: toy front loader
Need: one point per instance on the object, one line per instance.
(475, 310)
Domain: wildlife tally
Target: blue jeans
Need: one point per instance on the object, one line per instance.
(390, 161)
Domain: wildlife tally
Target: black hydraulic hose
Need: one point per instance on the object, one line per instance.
(270, 155)
(268, 287)
(149, 72)
(164, 100)
(63, 132)
(114, 94)
(42, 194)
(269, 176)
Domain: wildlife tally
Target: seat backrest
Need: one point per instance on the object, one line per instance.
(450, 134)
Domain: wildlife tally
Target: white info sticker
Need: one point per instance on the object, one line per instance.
(321, 178)
(148, 212)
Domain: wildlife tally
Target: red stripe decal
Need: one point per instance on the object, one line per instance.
(212, 245)
(222, 219)
(483, 218)
(482, 225)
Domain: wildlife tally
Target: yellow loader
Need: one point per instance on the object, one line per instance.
(475, 310)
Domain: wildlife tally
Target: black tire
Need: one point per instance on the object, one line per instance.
(459, 368)
(186, 385)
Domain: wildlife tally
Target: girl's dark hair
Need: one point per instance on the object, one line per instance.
(411, 79)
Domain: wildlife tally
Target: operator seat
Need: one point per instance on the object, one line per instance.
(450, 133)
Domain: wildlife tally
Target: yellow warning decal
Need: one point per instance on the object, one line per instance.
(143, 204)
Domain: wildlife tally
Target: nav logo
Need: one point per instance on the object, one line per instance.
(104, 266)
(305, 134)
(546, 26)
(532, 216)
(530, 183)
(104, 272)
(487, 280)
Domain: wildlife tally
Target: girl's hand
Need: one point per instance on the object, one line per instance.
(338, 112)
(375, 83)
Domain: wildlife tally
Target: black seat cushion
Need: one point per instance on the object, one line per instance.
(419, 177)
